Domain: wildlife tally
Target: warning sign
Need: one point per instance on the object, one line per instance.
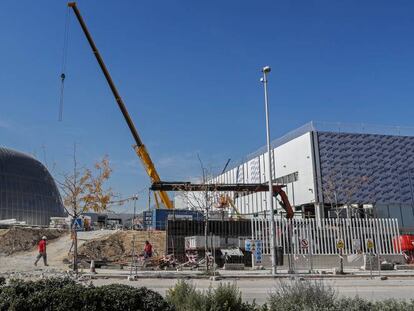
(248, 245)
(356, 245)
(304, 243)
(370, 244)
(258, 251)
(340, 244)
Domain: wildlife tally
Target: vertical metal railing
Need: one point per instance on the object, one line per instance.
(322, 237)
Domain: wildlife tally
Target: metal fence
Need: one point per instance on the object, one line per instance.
(321, 237)
(179, 229)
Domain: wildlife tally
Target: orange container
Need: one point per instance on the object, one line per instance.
(407, 242)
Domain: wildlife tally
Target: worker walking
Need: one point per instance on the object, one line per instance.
(147, 250)
(42, 251)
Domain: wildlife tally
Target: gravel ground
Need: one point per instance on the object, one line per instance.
(23, 263)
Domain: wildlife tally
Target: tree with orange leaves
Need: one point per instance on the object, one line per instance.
(84, 190)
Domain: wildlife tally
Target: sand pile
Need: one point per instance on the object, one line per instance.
(118, 246)
(18, 239)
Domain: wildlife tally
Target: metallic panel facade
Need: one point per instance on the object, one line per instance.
(27, 190)
(366, 168)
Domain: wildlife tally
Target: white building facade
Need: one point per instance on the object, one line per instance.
(294, 167)
(369, 173)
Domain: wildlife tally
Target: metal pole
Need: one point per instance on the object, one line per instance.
(370, 262)
(265, 71)
(378, 252)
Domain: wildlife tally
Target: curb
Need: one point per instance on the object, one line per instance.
(229, 277)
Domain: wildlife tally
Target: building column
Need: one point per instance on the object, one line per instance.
(319, 211)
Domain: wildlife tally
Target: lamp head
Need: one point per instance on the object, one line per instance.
(266, 69)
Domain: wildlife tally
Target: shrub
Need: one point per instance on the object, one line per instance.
(65, 294)
(302, 295)
(124, 297)
(359, 304)
(185, 297)
(226, 297)
(352, 304)
(33, 295)
(392, 304)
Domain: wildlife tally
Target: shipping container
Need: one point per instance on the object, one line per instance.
(157, 219)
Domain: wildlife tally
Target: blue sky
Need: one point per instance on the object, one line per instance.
(189, 73)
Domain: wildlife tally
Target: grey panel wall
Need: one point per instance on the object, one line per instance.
(27, 191)
(366, 168)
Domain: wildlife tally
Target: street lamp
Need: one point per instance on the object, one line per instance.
(265, 71)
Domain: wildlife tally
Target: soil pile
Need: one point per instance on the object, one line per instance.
(18, 239)
(118, 246)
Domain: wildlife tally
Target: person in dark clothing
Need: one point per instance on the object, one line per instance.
(42, 251)
(147, 250)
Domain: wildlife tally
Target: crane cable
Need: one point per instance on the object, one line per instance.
(64, 61)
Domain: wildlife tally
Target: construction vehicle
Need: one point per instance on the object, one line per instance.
(160, 194)
(139, 147)
(225, 201)
(238, 188)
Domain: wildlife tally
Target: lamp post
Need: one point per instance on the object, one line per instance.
(265, 71)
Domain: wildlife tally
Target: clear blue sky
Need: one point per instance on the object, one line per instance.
(189, 74)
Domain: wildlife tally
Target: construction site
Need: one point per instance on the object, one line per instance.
(323, 200)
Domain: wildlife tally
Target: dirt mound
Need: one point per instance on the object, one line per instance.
(18, 239)
(118, 246)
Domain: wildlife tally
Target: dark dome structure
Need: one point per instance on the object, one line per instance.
(27, 190)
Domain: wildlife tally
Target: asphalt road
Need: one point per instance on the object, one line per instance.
(258, 289)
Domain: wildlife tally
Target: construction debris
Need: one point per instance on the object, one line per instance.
(118, 246)
(18, 239)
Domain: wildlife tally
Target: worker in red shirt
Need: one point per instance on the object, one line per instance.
(42, 251)
(147, 250)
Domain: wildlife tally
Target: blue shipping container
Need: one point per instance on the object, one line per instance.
(159, 217)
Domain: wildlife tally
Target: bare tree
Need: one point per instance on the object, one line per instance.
(347, 189)
(203, 200)
(84, 190)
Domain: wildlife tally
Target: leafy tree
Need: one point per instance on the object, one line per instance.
(84, 190)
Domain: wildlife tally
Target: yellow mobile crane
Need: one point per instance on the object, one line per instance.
(139, 148)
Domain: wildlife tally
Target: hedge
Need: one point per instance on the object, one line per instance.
(65, 294)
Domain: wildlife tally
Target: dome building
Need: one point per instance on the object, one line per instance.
(27, 190)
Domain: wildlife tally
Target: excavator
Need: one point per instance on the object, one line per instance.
(225, 201)
(139, 147)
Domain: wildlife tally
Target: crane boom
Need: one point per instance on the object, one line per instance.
(139, 148)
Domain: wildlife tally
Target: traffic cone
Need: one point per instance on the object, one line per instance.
(93, 266)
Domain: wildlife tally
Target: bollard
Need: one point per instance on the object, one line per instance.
(93, 266)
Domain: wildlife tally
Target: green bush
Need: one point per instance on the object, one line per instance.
(315, 295)
(352, 304)
(226, 297)
(302, 295)
(357, 304)
(185, 297)
(65, 294)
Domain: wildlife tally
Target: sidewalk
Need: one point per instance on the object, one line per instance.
(244, 274)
